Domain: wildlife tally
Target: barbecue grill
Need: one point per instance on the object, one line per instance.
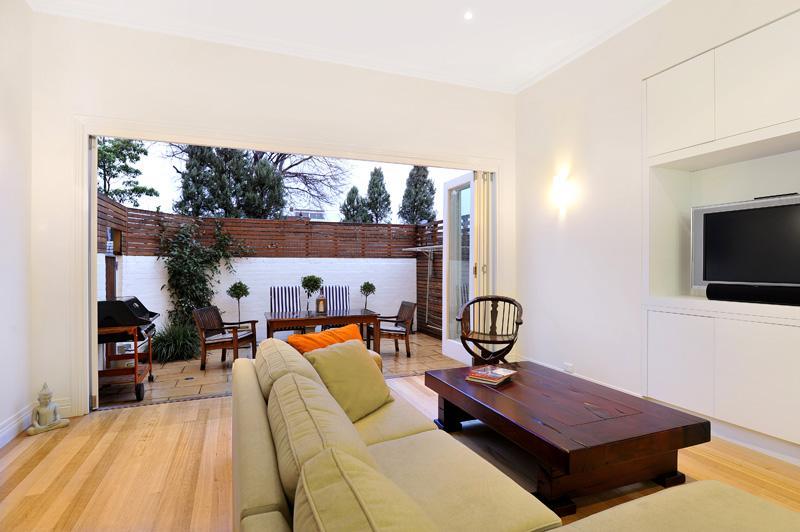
(126, 319)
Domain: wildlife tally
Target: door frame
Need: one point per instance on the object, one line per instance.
(453, 348)
(83, 268)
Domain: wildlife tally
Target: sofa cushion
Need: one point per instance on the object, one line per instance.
(311, 341)
(393, 420)
(257, 486)
(458, 489)
(339, 492)
(707, 506)
(276, 358)
(306, 420)
(352, 378)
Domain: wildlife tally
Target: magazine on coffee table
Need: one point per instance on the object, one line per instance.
(492, 375)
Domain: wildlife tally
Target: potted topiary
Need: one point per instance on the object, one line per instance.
(367, 289)
(237, 291)
(311, 284)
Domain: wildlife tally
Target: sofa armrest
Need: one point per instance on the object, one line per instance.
(257, 487)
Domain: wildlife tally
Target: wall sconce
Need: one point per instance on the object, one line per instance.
(563, 192)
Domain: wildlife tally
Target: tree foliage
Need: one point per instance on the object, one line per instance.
(417, 205)
(253, 184)
(311, 284)
(354, 208)
(117, 178)
(378, 201)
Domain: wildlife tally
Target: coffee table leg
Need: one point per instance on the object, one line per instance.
(668, 480)
(450, 416)
(561, 507)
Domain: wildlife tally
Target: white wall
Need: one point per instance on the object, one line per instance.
(168, 83)
(15, 149)
(395, 281)
(580, 275)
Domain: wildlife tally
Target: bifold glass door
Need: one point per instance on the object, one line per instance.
(466, 252)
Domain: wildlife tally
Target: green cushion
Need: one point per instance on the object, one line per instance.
(350, 374)
(705, 506)
(337, 492)
(275, 358)
(305, 420)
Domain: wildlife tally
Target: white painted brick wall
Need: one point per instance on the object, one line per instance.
(395, 281)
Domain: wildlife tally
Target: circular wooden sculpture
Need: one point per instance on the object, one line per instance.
(489, 327)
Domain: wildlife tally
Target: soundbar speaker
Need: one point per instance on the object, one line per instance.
(746, 293)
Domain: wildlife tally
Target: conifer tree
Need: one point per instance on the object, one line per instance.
(378, 202)
(264, 194)
(417, 205)
(354, 208)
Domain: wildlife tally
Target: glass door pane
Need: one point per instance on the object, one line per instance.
(459, 254)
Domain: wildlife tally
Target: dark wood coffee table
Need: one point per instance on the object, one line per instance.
(584, 437)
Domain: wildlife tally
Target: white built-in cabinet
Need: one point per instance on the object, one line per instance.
(722, 126)
(758, 78)
(680, 365)
(680, 105)
(742, 372)
(746, 84)
(757, 376)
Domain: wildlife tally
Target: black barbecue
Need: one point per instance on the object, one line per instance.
(125, 319)
(124, 312)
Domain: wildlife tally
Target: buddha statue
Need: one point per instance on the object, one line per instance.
(45, 416)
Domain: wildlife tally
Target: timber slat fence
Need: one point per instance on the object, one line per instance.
(141, 232)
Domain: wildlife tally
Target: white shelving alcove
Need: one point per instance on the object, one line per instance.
(734, 362)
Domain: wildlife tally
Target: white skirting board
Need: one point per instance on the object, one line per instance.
(11, 427)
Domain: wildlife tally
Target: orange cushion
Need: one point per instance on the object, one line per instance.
(309, 342)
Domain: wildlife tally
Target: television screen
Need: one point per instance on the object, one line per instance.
(760, 245)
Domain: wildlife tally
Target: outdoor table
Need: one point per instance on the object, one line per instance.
(308, 318)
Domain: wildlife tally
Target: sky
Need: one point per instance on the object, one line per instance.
(158, 172)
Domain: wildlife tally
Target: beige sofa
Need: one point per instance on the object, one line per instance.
(453, 486)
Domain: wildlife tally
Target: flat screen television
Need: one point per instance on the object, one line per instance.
(752, 242)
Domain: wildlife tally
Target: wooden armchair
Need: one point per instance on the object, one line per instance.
(217, 334)
(489, 328)
(396, 327)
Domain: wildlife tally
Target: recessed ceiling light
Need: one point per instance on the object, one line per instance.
(468, 15)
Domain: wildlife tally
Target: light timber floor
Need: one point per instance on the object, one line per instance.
(168, 467)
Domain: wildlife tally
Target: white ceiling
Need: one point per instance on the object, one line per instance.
(508, 45)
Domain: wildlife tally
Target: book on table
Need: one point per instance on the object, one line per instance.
(492, 375)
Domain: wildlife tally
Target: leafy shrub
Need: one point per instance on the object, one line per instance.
(237, 291)
(367, 289)
(177, 341)
(311, 284)
(192, 266)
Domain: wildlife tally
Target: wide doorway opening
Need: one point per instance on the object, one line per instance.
(180, 228)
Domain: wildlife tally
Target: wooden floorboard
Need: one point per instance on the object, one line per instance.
(168, 467)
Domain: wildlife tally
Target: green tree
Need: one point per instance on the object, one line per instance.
(354, 208)
(226, 182)
(115, 160)
(263, 195)
(417, 205)
(378, 202)
(212, 182)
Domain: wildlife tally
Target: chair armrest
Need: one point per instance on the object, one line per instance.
(245, 322)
